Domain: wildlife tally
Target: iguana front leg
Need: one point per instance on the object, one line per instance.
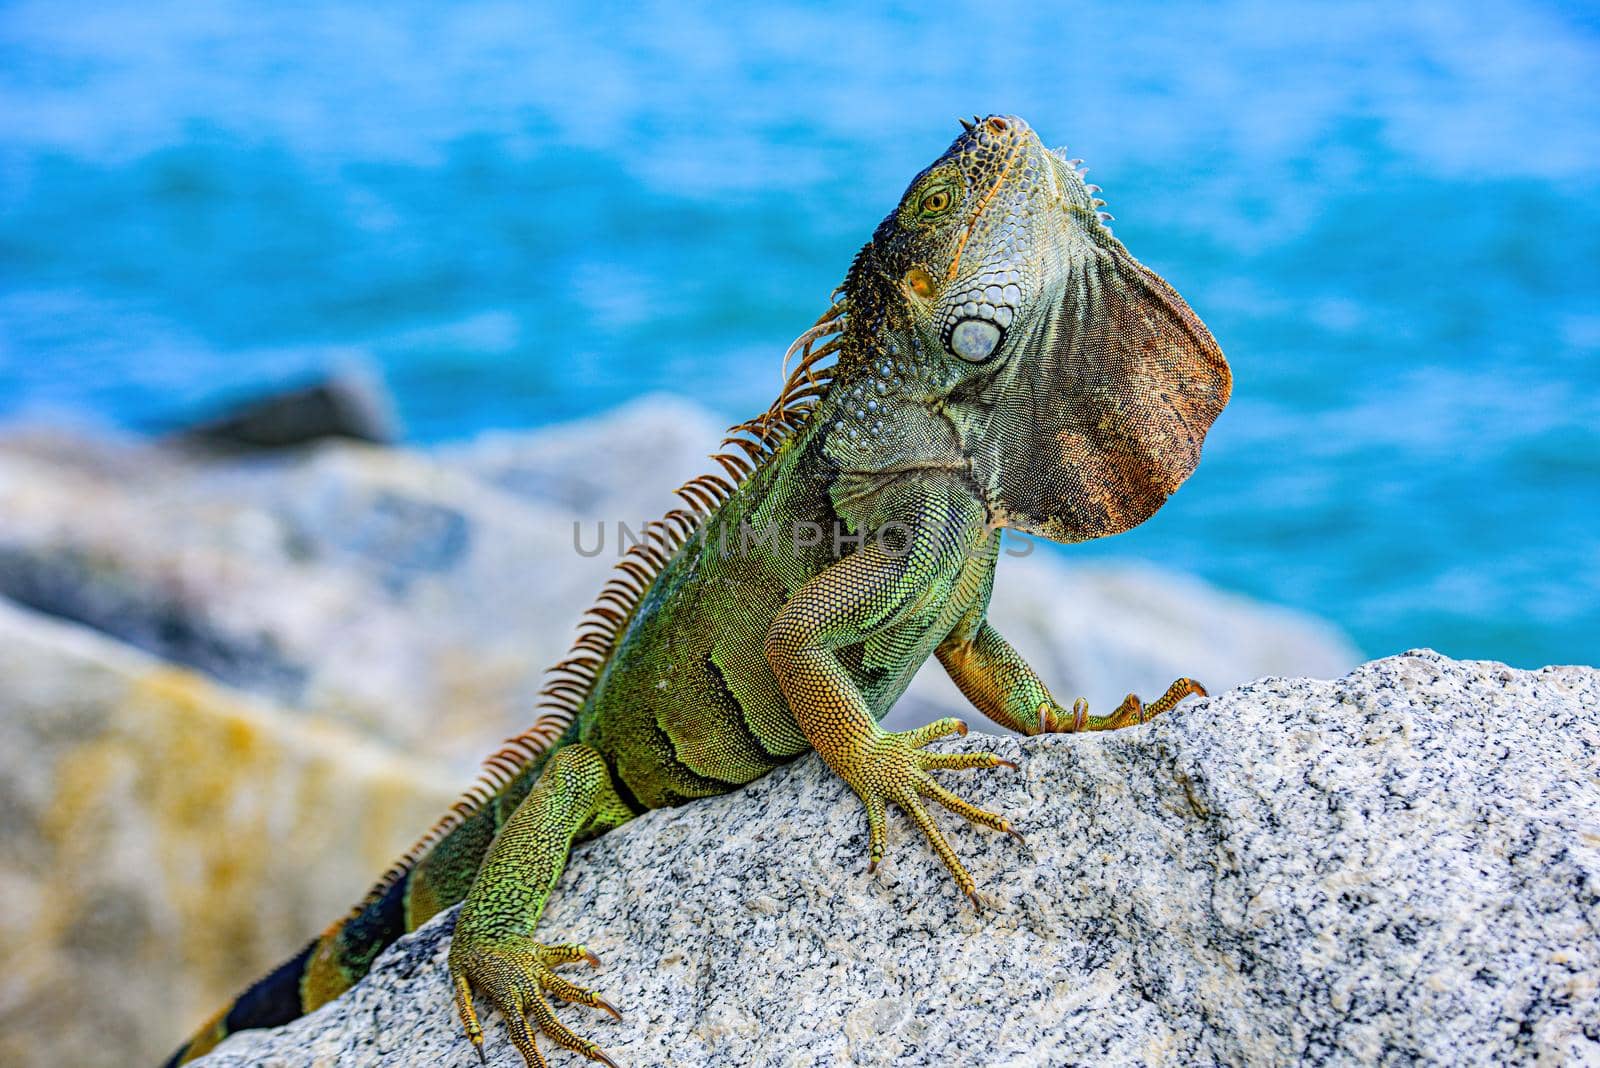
(493, 950)
(1003, 686)
(866, 594)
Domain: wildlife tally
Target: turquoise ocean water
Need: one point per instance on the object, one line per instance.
(1388, 214)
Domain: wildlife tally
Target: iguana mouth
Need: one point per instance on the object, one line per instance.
(1018, 131)
(975, 330)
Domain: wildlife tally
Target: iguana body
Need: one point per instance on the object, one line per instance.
(996, 359)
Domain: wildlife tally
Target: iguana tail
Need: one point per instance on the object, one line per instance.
(432, 876)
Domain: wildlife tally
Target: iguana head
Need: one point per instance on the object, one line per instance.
(1079, 385)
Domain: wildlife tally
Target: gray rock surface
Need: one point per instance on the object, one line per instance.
(1400, 866)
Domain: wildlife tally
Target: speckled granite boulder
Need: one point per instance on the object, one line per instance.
(1399, 866)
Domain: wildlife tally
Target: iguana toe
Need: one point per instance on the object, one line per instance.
(1131, 712)
(894, 769)
(516, 980)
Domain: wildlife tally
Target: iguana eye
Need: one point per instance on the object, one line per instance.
(935, 202)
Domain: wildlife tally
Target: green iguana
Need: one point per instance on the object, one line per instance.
(995, 358)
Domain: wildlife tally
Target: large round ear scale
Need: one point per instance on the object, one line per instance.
(975, 340)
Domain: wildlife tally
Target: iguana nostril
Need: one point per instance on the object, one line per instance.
(974, 340)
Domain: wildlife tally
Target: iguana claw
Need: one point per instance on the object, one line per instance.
(516, 980)
(895, 769)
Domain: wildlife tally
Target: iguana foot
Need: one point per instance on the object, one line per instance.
(1054, 719)
(515, 978)
(894, 768)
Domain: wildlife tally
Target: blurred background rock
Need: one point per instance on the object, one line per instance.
(235, 681)
(285, 664)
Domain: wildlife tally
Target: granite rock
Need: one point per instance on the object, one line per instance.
(1396, 867)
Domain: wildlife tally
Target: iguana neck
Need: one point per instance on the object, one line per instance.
(883, 410)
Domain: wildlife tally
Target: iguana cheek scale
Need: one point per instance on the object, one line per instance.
(995, 358)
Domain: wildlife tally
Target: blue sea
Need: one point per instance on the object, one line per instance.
(1389, 214)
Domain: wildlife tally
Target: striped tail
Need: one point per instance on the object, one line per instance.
(433, 875)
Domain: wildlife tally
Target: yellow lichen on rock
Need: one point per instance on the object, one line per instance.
(157, 834)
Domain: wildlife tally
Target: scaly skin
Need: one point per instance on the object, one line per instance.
(1000, 361)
